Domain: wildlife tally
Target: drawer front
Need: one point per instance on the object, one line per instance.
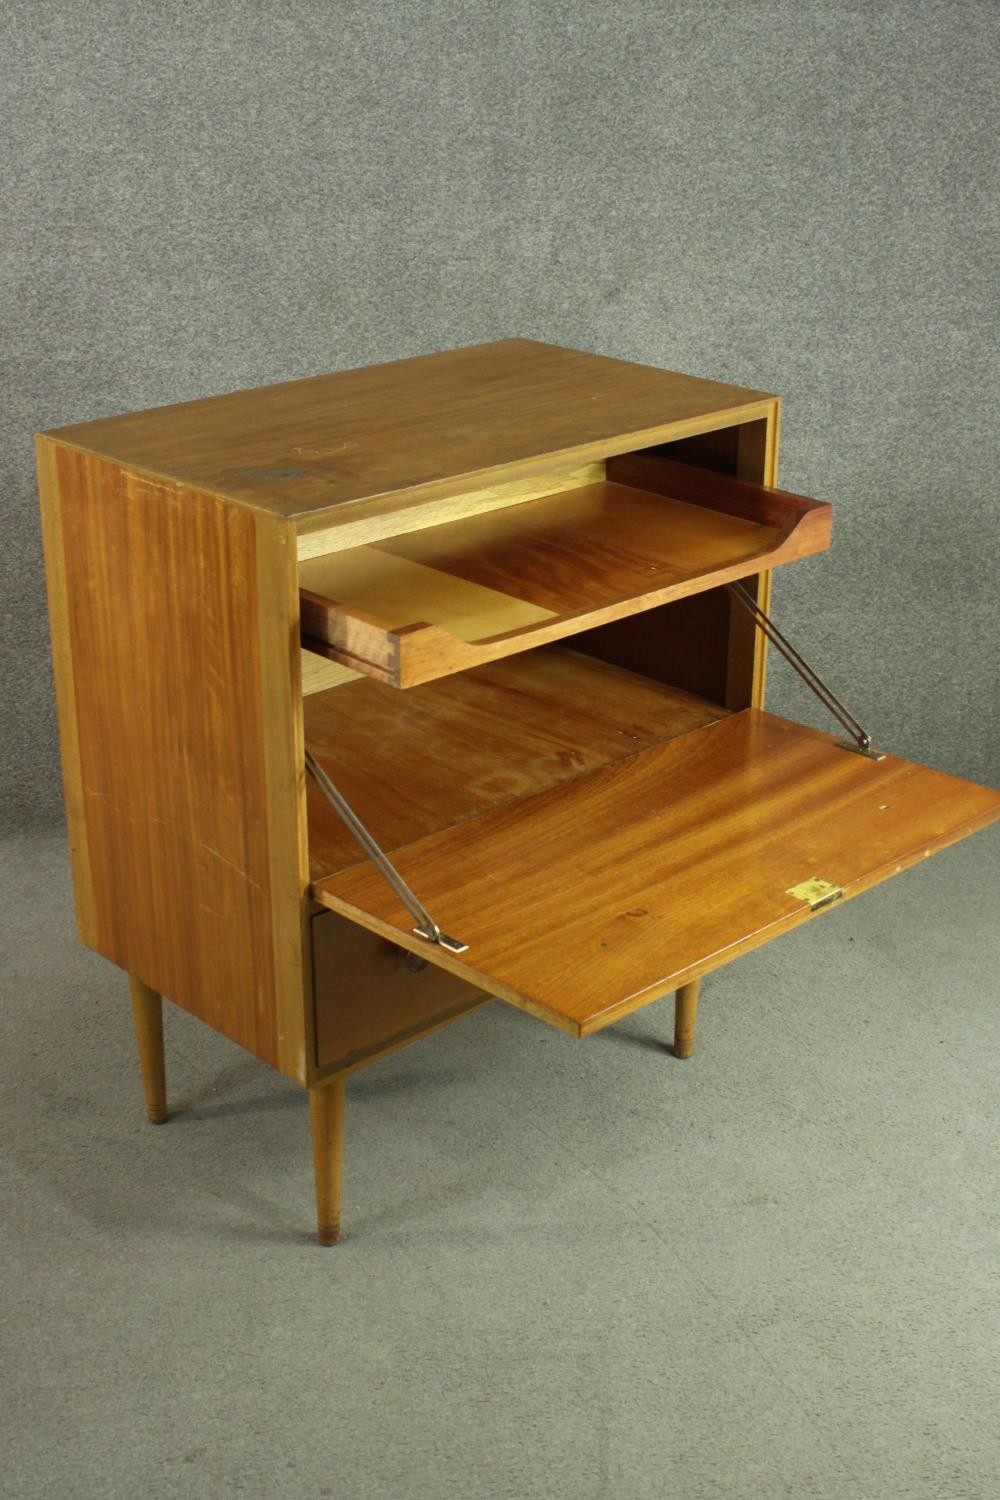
(372, 996)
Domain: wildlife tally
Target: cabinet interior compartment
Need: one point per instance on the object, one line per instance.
(421, 605)
(576, 784)
(412, 763)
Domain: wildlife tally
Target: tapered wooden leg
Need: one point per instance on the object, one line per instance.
(685, 1018)
(326, 1106)
(147, 1011)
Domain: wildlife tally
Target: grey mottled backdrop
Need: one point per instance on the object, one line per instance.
(789, 194)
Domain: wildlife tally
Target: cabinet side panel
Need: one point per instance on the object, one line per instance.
(164, 636)
(62, 673)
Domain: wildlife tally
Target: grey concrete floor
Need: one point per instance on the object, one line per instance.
(570, 1269)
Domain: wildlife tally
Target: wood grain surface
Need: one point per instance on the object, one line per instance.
(178, 618)
(584, 548)
(704, 643)
(397, 590)
(444, 599)
(147, 1016)
(317, 673)
(594, 897)
(326, 1113)
(360, 442)
(413, 763)
(342, 533)
(57, 584)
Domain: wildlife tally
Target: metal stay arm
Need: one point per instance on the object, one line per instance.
(426, 925)
(862, 740)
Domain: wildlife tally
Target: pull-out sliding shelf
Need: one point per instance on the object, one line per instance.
(419, 606)
(593, 897)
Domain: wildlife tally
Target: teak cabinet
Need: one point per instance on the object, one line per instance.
(506, 599)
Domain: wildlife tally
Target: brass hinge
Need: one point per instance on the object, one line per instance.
(816, 892)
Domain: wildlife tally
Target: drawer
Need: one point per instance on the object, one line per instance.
(415, 607)
(595, 896)
(372, 996)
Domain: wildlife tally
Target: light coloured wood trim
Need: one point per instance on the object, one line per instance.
(746, 670)
(773, 442)
(62, 671)
(284, 764)
(317, 673)
(762, 593)
(355, 533)
(686, 1017)
(763, 589)
(147, 1013)
(326, 1109)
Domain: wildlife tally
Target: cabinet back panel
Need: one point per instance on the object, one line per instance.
(684, 644)
(704, 644)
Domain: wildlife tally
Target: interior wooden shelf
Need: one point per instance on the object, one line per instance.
(414, 763)
(588, 899)
(419, 606)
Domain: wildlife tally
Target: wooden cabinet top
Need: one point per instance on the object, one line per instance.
(433, 423)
